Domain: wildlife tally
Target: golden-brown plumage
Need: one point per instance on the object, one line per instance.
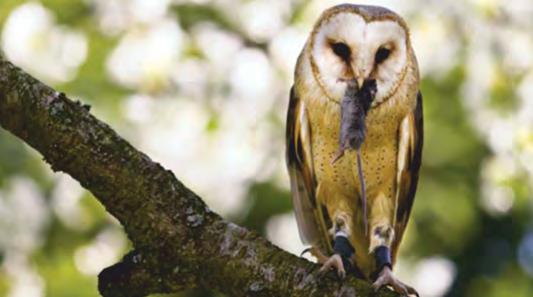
(325, 193)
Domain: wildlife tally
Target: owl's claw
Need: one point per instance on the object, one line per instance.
(315, 251)
(386, 278)
(335, 262)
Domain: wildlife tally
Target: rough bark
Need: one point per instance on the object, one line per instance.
(179, 242)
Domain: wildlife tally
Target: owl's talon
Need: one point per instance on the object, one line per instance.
(315, 252)
(386, 278)
(334, 262)
(305, 251)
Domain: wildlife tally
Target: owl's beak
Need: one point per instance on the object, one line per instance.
(358, 75)
(360, 80)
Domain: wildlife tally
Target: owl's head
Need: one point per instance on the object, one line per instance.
(359, 42)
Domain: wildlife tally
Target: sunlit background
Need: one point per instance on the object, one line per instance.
(202, 87)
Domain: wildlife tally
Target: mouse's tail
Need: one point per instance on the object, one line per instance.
(363, 188)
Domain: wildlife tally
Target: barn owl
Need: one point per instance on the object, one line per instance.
(352, 203)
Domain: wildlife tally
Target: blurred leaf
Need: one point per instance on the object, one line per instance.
(70, 12)
(190, 14)
(265, 200)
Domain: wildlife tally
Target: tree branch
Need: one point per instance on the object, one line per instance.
(180, 242)
(138, 275)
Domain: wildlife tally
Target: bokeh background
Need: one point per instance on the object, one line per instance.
(202, 87)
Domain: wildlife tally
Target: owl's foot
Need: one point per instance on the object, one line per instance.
(386, 278)
(334, 262)
(341, 260)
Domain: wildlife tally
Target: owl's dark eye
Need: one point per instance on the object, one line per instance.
(381, 55)
(342, 50)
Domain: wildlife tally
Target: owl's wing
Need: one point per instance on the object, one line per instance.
(302, 177)
(411, 135)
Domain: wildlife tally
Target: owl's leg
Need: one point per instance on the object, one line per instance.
(381, 238)
(342, 249)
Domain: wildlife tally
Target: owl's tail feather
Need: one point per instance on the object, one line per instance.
(363, 188)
